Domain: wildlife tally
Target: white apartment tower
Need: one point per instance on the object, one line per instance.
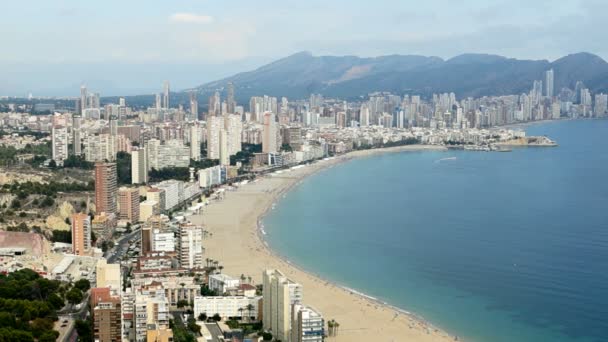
(549, 83)
(224, 154)
(166, 93)
(139, 166)
(307, 324)
(195, 142)
(279, 295)
(214, 124)
(190, 246)
(234, 127)
(60, 144)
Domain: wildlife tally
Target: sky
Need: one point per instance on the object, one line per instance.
(128, 47)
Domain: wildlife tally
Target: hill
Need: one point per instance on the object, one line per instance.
(301, 74)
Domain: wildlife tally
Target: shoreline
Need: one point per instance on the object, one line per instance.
(399, 324)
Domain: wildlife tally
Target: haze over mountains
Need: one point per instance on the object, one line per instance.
(301, 74)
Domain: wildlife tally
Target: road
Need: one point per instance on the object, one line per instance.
(115, 254)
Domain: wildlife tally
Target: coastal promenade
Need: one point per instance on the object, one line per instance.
(236, 242)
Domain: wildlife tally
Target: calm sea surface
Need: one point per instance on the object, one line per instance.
(488, 246)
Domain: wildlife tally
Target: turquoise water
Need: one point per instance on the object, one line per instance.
(488, 246)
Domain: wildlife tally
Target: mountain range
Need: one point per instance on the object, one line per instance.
(299, 75)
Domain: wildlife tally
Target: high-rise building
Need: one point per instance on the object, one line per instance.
(190, 246)
(139, 166)
(214, 125)
(230, 102)
(166, 94)
(549, 83)
(233, 124)
(76, 141)
(158, 103)
(269, 134)
(601, 105)
(60, 144)
(128, 200)
(105, 188)
(214, 105)
(307, 324)
(81, 234)
(106, 315)
(364, 116)
(193, 106)
(83, 98)
(279, 295)
(224, 155)
(195, 142)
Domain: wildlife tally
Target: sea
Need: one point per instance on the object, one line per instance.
(487, 246)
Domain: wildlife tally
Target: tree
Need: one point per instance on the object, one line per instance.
(15, 204)
(217, 317)
(53, 164)
(83, 284)
(55, 301)
(202, 317)
(182, 303)
(266, 336)
(74, 296)
(84, 330)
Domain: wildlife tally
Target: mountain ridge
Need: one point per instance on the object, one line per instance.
(469, 74)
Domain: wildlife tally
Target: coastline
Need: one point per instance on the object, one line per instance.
(238, 243)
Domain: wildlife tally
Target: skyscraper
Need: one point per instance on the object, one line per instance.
(76, 141)
(224, 155)
(158, 103)
(280, 294)
(60, 144)
(83, 98)
(193, 106)
(269, 134)
(233, 124)
(139, 166)
(549, 83)
(105, 188)
(195, 142)
(215, 104)
(166, 93)
(231, 102)
(81, 234)
(214, 124)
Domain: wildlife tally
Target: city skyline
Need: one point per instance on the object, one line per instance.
(207, 40)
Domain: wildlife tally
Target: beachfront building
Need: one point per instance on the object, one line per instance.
(280, 294)
(190, 246)
(221, 283)
(307, 324)
(230, 306)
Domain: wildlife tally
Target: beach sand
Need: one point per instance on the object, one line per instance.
(235, 242)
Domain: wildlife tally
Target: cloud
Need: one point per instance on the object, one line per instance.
(191, 18)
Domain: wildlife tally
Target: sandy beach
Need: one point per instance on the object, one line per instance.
(235, 242)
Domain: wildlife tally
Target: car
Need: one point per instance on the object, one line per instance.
(65, 321)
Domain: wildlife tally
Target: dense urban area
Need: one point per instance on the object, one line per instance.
(97, 201)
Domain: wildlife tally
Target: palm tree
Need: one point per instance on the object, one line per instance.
(241, 312)
(207, 261)
(249, 280)
(182, 291)
(243, 278)
(249, 308)
(221, 268)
